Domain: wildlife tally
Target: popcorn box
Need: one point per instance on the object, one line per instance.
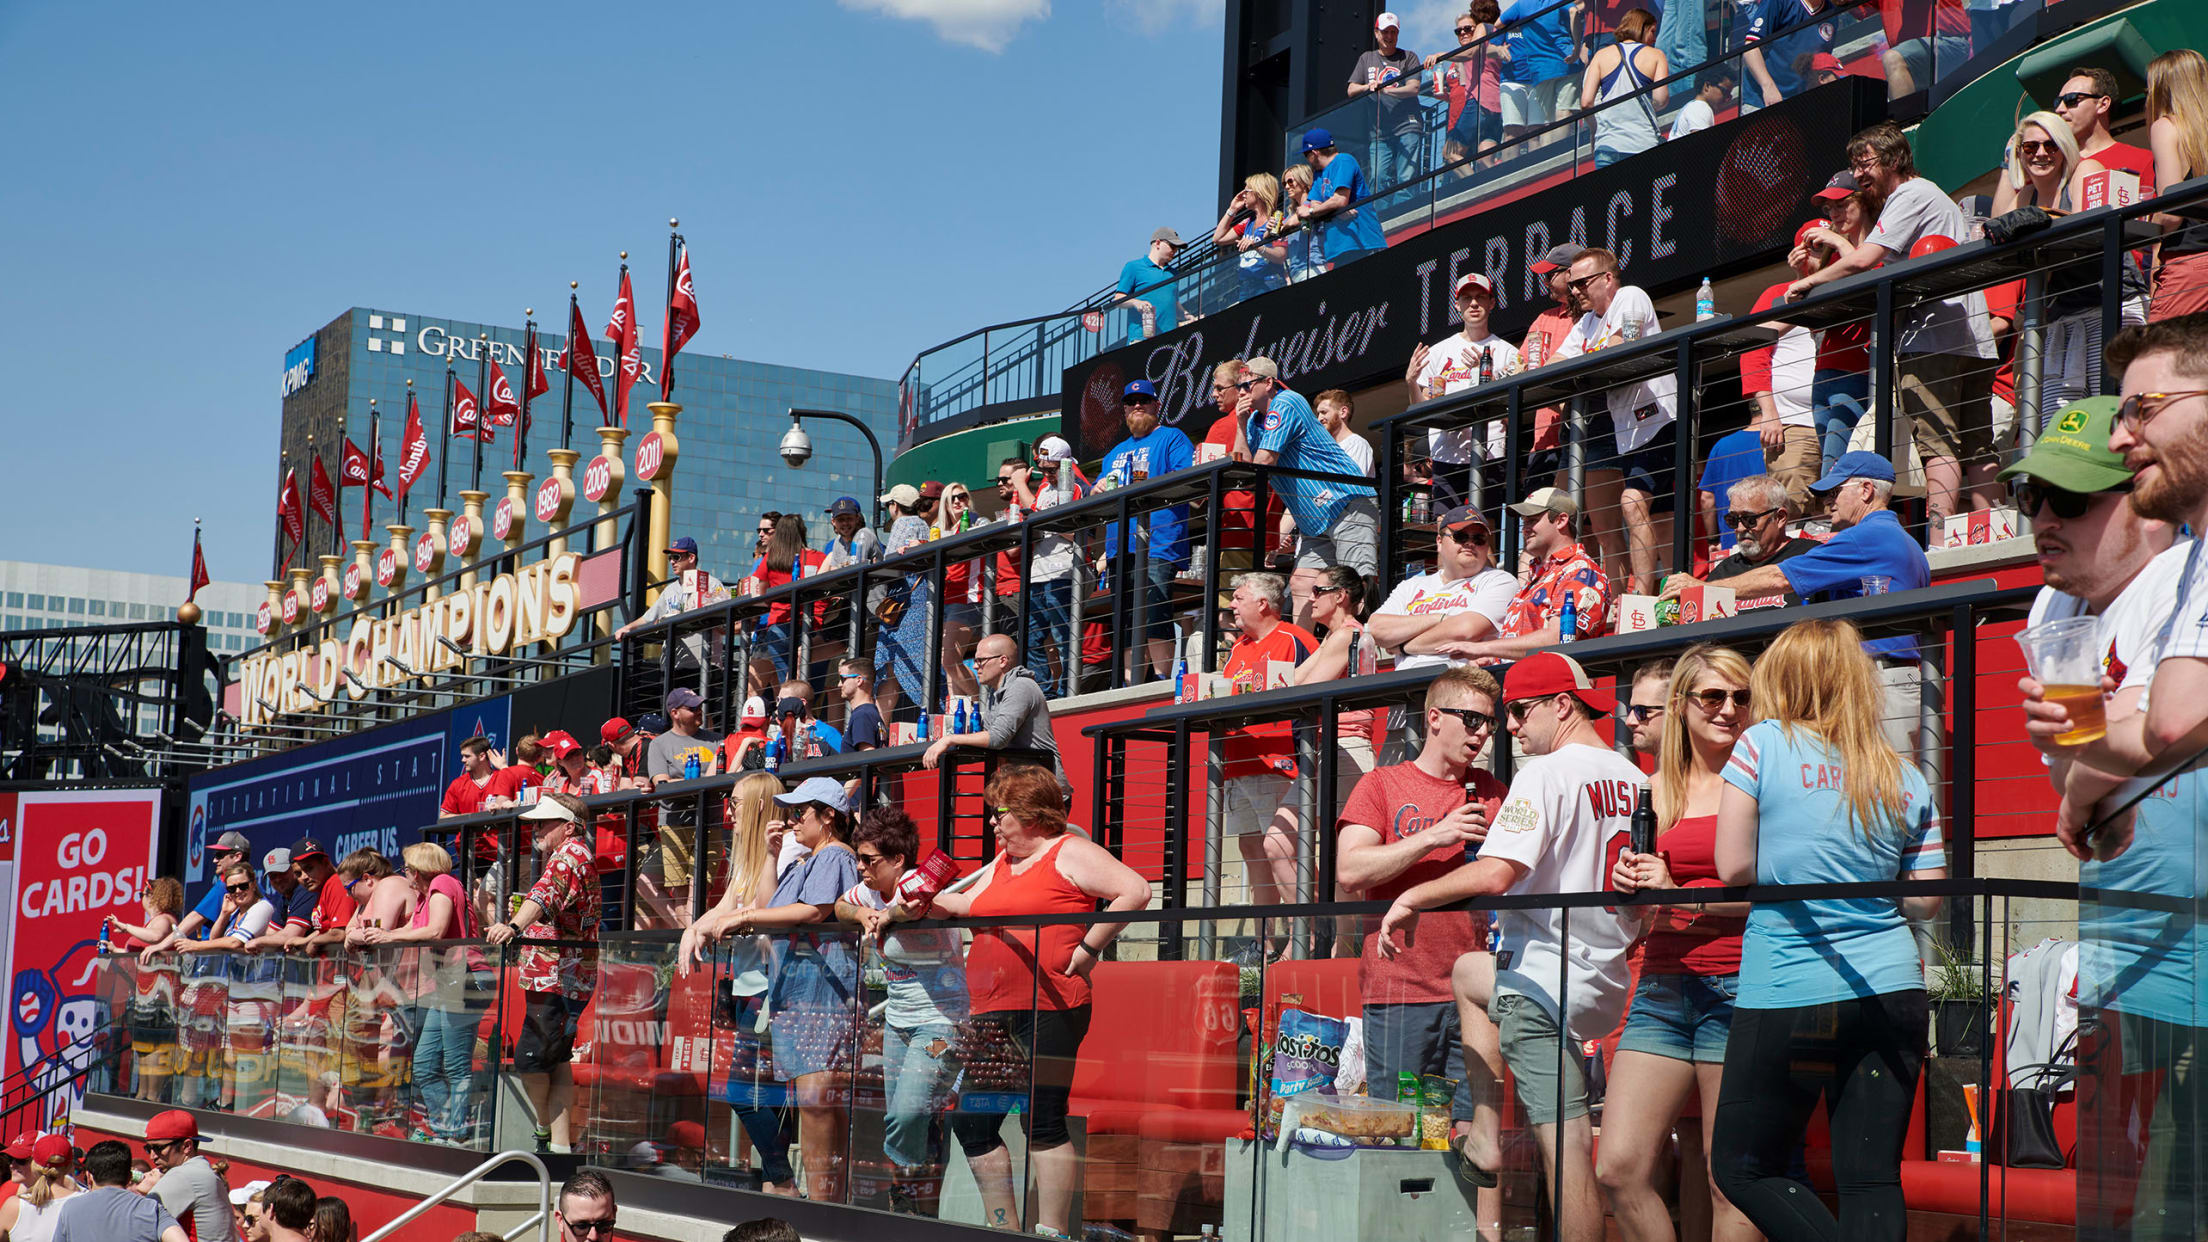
(902, 733)
(1210, 452)
(1191, 688)
(1277, 673)
(1981, 526)
(1635, 613)
(2111, 187)
(1705, 603)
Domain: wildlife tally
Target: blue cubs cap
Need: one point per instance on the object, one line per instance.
(685, 544)
(1857, 465)
(844, 504)
(1316, 140)
(1141, 388)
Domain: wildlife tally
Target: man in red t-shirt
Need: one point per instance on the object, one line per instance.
(1405, 824)
(628, 742)
(2087, 98)
(1260, 771)
(310, 865)
(464, 796)
(506, 784)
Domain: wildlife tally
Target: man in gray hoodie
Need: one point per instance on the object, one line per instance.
(1017, 718)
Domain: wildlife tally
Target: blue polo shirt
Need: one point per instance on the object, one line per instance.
(210, 907)
(1733, 458)
(1355, 228)
(1163, 451)
(1836, 568)
(1540, 48)
(1290, 428)
(1136, 278)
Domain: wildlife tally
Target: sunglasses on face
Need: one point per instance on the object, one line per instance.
(2067, 505)
(1524, 708)
(589, 1228)
(252, 1219)
(1473, 722)
(1742, 521)
(2071, 99)
(2032, 146)
(1642, 713)
(1328, 590)
(1465, 30)
(238, 888)
(1468, 535)
(1713, 699)
(2138, 410)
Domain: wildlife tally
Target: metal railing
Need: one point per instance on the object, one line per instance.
(541, 1222)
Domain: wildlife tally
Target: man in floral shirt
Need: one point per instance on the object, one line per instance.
(1561, 569)
(555, 982)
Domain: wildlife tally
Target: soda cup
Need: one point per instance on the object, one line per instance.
(2065, 657)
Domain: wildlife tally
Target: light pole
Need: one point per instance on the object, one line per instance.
(797, 447)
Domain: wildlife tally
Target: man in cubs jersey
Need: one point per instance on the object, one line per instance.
(1554, 976)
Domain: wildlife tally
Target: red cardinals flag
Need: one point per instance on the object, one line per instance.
(504, 409)
(580, 360)
(621, 330)
(538, 384)
(355, 470)
(287, 508)
(199, 569)
(321, 496)
(682, 324)
(463, 415)
(413, 449)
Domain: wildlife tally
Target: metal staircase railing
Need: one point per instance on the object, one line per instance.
(541, 1222)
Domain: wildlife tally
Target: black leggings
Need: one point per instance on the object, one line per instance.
(1862, 1058)
(1047, 1040)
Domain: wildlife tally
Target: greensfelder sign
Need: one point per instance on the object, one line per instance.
(1718, 200)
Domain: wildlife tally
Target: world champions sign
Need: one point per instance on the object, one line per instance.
(535, 604)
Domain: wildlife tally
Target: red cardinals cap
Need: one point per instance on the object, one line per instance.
(1552, 672)
(21, 1147)
(614, 730)
(687, 1134)
(53, 1150)
(1822, 62)
(561, 743)
(1474, 280)
(171, 1125)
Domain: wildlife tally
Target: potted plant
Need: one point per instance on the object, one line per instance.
(1956, 985)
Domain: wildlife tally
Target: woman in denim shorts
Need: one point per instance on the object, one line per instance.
(1674, 1041)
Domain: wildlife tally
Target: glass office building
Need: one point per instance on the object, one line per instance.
(734, 415)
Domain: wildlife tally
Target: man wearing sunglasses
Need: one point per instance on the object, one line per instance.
(1758, 513)
(1258, 806)
(1561, 569)
(185, 1183)
(1156, 545)
(2087, 98)
(1338, 523)
(586, 1208)
(1406, 824)
(227, 849)
(1631, 457)
(2161, 430)
(1570, 807)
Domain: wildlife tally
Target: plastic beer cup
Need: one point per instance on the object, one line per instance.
(2065, 657)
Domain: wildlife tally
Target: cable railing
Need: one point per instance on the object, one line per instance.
(1015, 367)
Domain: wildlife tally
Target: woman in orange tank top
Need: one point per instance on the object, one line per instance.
(1031, 985)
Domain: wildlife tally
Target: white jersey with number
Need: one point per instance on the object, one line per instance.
(1567, 817)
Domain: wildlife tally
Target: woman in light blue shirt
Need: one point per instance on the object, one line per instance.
(1831, 1003)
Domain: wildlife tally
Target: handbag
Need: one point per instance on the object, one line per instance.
(2027, 1126)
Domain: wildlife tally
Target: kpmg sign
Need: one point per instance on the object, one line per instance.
(1717, 199)
(298, 366)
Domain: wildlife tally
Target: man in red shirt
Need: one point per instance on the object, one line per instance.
(1260, 759)
(628, 742)
(2086, 99)
(506, 784)
(333, 909)
(20, 1150)
(464, 796)
(1561, 569)
(1405, 824)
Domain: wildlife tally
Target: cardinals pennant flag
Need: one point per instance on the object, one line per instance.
(464, 415)
(503, 408)
(413, 449)
(356, 471)
(580, 359)
(538, 383)
(621, 330)
(199, 568)
(321, 496)
(288, 510)
(682, 324)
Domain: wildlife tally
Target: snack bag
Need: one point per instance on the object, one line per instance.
(1305, 1058)
(1434, 1096)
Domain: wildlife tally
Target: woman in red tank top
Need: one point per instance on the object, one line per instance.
(1030, 985)
(1674, 1040)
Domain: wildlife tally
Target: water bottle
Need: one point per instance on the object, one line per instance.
(1705, 302)
(1644, 824)
(921, 734)
(1180, 680)
(691, 769)
(958, 715)
(1567, 621)
(107, 932)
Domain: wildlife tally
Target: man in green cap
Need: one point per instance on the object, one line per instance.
(2098, 557)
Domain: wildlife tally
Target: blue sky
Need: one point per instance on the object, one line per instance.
(194, 188)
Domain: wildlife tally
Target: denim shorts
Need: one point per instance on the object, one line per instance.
(1681, 1017)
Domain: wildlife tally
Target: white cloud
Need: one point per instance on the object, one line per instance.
(1154, 16)
(986, 24)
